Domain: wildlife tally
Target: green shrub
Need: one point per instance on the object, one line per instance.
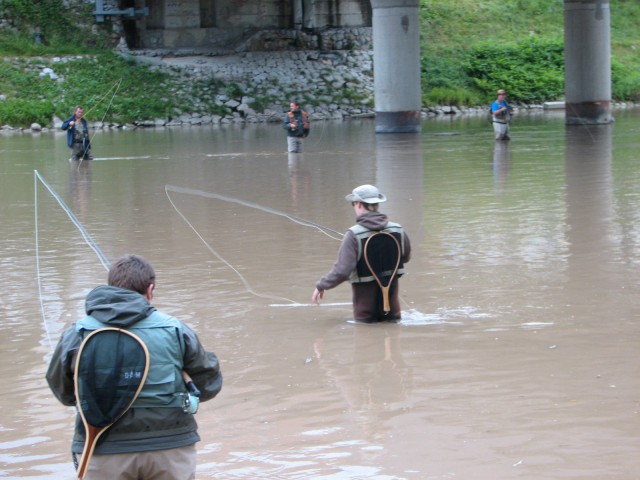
(532, 71)
(234, 90)
(450, 96)
(625, 82)
(64, 29)
(443, 70)
(22, 113)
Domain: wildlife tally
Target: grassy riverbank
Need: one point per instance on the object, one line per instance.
(468, 47)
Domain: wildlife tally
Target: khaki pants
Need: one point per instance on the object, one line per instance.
(294, 144)
(171, 464)
(501, 130)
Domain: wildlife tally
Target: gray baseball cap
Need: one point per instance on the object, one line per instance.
(366, 194)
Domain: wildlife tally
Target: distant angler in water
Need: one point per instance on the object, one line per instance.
(501, 115)
(78, 136)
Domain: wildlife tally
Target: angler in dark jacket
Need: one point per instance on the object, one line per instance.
(296, 123)
(349, 265)
(156, 434)
(78, 136)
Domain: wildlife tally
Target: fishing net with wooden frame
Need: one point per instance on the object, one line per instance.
(111, 368)
(382, 255)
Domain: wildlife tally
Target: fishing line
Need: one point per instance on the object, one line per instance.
(117, 84)
(216, 254)
(215, 196)
(583, 122)
(117, 87)
(90, 241)
(94, 246)
(44, 318)
(318, 139)
(335, 304)
(300, 221)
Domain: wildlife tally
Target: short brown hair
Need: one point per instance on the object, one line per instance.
(133, 273)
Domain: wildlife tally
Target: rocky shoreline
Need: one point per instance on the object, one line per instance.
(342, 82)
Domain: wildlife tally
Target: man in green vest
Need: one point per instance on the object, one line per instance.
(156, 437)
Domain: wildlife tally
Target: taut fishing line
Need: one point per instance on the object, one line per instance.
(90, 241)
(316, 140)
(115, 86)
(582, 122)
(168, 188)
(215, 196)
(217, 255)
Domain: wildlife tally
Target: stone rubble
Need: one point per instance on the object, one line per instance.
(341, 82)
(330, 85)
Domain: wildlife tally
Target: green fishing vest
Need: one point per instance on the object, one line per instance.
(362, 233)
(162, 334)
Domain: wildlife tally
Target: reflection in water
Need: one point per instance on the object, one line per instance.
(370, 373)
(300, 178)
(590, 233)
(80, 188)
(501, 163)
(486, 376)
(399, 174)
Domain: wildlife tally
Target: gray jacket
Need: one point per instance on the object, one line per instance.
(144, 428)
(349, 248)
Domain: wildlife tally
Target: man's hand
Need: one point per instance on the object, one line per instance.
(317, 296)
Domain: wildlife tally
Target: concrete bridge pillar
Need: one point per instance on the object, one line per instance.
(587, 62)
(396, 65)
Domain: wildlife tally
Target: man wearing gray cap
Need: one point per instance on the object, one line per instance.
(350, 264)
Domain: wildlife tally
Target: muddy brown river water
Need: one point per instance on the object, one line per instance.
(518, 353)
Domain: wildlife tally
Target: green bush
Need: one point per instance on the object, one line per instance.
(109, 87)
(443, 70)
(531, 71)
(450, 96)
(63, 29)
(234, 90)
(625, 82)
(21, 112)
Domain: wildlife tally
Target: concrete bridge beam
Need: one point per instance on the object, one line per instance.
(396, 65)
(587, 57)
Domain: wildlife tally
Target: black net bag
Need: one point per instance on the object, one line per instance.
(382, 255)
(111, 368)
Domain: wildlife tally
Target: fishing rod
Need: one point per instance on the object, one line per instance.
(115, 87)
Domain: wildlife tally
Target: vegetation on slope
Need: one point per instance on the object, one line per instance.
(469, 48)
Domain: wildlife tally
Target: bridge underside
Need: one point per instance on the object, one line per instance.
(220, 24)
(245, 25)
